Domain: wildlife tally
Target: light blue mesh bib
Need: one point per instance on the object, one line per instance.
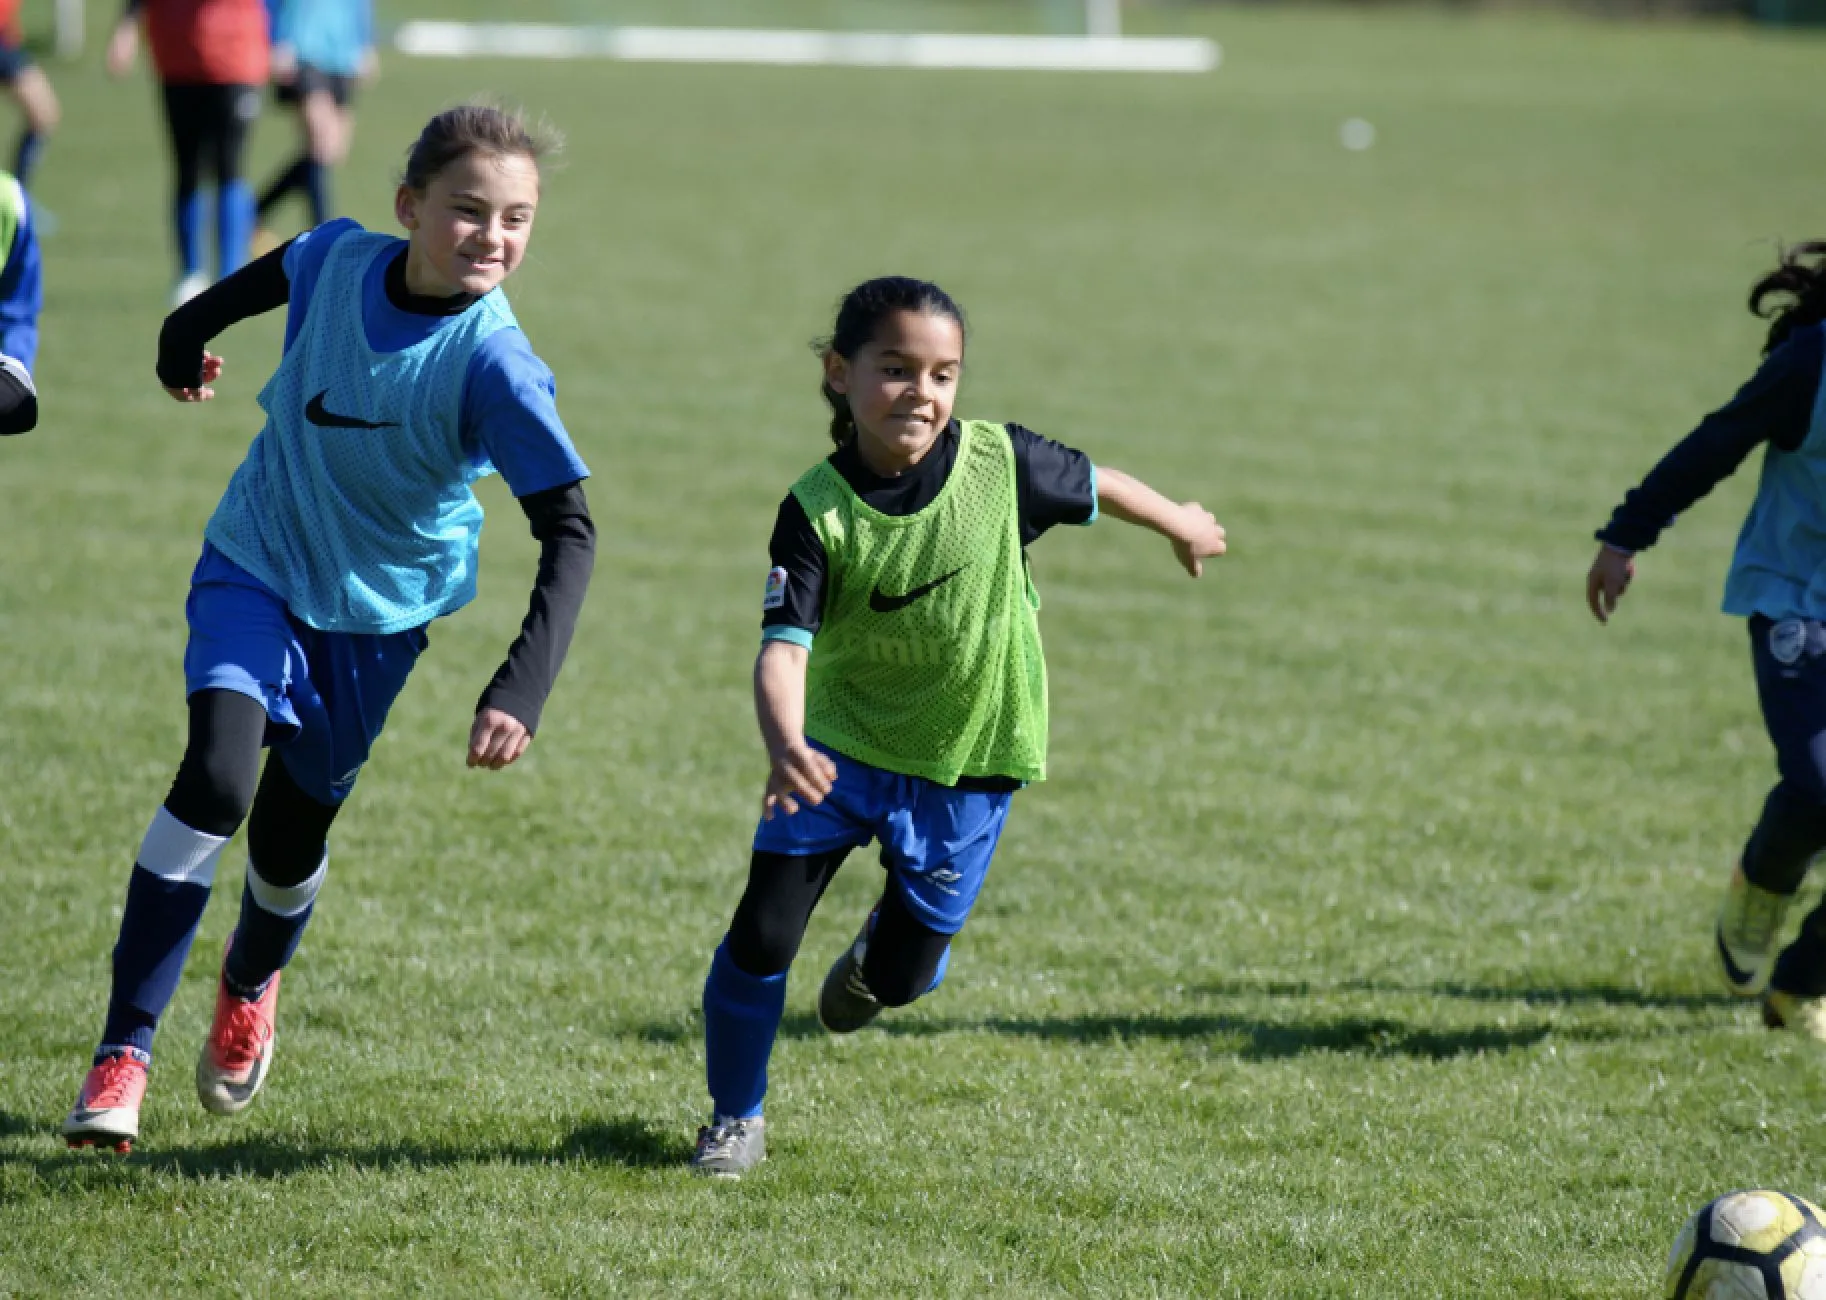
(1779, 569)
(354, 501)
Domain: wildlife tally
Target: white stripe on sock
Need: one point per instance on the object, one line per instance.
(172, 851)
(287, 900)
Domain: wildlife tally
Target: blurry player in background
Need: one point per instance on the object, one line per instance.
(30, 88)
(211, 57)
(1778, 583)
(902, 556)
(348, 528)
(21, 298)
(321, 50)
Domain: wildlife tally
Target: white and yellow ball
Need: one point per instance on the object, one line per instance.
(1756, 1245)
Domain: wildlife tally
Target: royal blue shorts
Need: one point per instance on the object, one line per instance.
(936, 842)
(326, 693)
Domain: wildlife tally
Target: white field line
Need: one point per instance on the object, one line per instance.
(803, 48)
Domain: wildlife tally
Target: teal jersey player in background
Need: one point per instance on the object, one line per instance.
(322, 49)
(1777, 584)
(348, 528)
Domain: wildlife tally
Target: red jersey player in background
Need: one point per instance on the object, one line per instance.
(211, 58)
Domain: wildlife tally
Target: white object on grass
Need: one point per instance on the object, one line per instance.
(803, 48)
(1356, 134)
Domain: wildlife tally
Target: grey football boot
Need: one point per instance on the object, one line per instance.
(729, 1148)
(844, 1002)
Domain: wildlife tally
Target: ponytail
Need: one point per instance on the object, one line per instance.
(843, 424)
(860, 314)
(1803, 282)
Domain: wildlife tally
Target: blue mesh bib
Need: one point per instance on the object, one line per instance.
(354, 501)
(1779, 569)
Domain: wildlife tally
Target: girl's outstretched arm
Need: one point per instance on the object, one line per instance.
(1195, 533)
(794, 767)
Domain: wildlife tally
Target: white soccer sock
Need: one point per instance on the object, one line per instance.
(173, 851)
(286, 900)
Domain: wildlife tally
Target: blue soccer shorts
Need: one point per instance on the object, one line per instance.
(326, 693)
(936, 842)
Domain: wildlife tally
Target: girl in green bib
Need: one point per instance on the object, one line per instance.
(901, 558)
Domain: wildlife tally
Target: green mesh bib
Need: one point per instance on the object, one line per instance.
(928, 661)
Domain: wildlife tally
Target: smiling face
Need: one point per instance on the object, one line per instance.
(901, 386)
(470, 225)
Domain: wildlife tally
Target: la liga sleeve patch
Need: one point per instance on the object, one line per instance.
(775, 594)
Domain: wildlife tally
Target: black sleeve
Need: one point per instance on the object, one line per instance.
(18, 398)
(1775, 406)
(258, 287)
(795, 585)
(560, 519)
(1056, 483)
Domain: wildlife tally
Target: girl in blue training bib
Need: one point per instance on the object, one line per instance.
(347, 529)
(1778, 583)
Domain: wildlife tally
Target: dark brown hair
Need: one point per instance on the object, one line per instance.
(860, 314)
(1801, 278)
(472, 128)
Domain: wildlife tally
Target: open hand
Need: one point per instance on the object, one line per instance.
(497, 739)
(123, 46)
(212, 371)
(800, 770)
(1201, 538)
(1608, 579)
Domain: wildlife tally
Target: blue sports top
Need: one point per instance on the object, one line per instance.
(21, 275)
(354, 500)
(329, 35)
(1779, 567)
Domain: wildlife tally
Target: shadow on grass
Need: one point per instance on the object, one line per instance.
(628, 1141)
(1541, 995)
(12, 1125)
(1255, 1038)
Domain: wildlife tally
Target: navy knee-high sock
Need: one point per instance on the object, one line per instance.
(292, 178)
(741, 1017)
(272, 923)
(317, 189)
(25, 157)
(165, 902)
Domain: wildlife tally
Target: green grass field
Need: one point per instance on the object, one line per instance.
(1359, 944)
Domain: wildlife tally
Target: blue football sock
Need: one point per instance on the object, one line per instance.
(188, 219)
(272, 922)
(25, 158)
(156, 932)
(741, 1016)
(235, 215)
(165, 901)
(317, 189)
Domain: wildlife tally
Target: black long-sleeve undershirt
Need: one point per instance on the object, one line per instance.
(1775, 406)
(559, 516)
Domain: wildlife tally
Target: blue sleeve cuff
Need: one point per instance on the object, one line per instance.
(794, 635)
(1093, 515)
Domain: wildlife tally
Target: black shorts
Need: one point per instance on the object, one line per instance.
(310, 80)
(13, 61)
(209, 125)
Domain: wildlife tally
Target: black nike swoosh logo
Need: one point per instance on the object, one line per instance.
(1737, 975)
(314, 412)
(882, 603)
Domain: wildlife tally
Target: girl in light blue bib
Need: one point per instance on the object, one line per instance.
(1777, 584)
(349, 526)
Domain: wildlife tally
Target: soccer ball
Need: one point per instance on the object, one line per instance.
(1750, 1246)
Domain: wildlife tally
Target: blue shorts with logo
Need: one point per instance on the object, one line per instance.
(936, 841)
(326, 693)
